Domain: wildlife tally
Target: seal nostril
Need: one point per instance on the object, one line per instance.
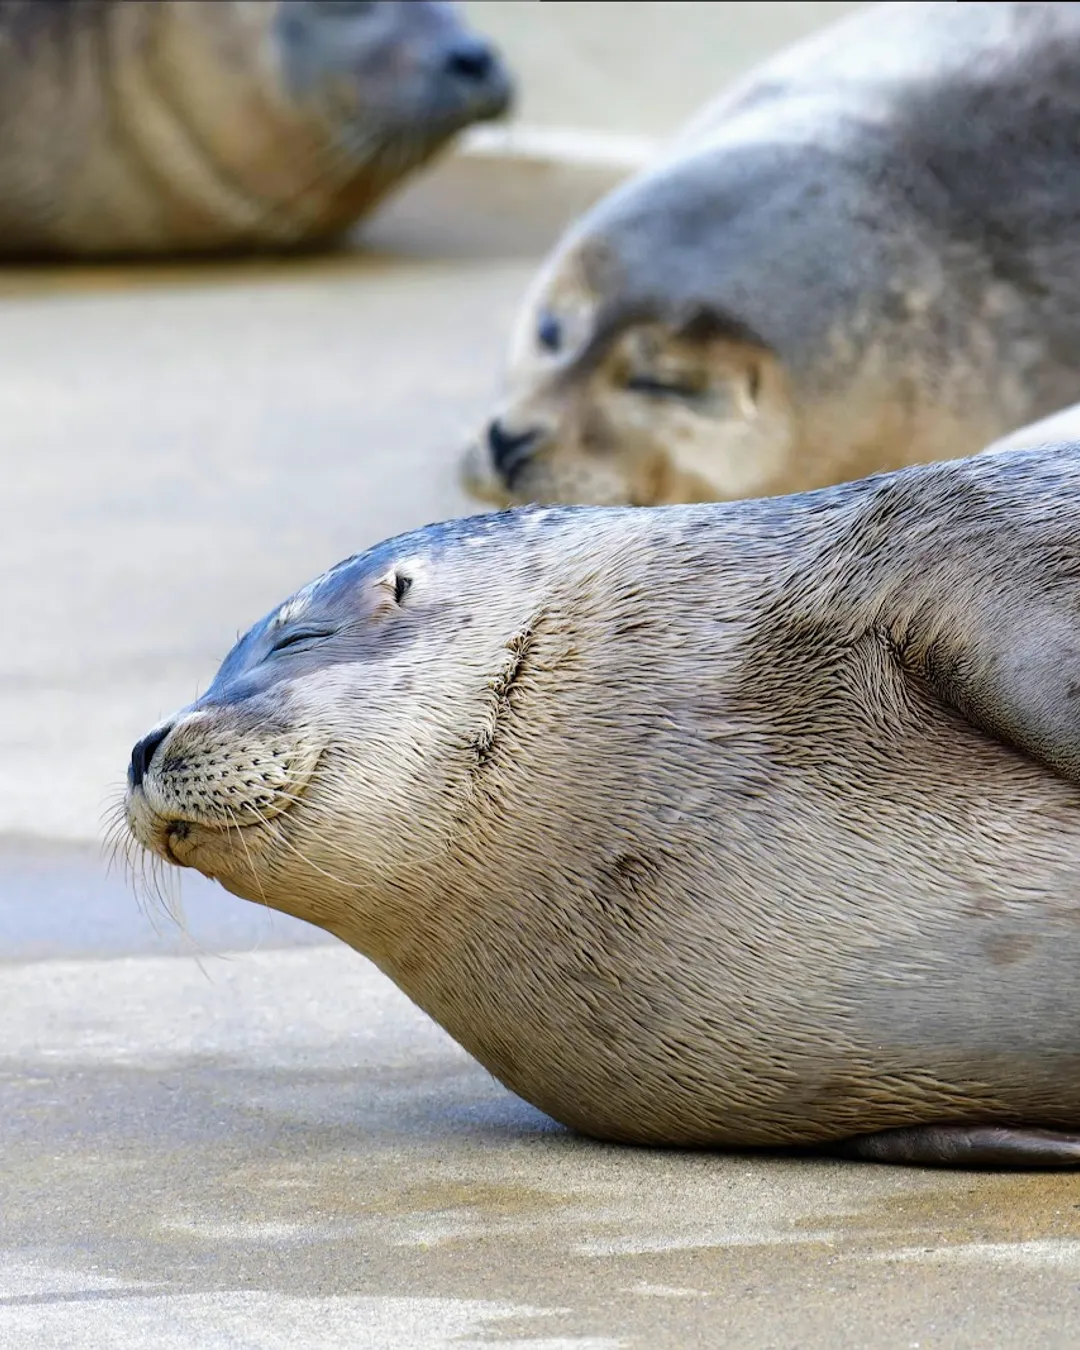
(470, 61)
(143, 753)
(509, 451)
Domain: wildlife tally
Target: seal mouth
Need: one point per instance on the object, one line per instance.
(174, 832)
(180, 840)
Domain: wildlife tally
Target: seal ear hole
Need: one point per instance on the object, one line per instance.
(396, 584)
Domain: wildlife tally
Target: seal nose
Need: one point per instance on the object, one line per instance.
(470, 60)
(509, 451)
(143, 753)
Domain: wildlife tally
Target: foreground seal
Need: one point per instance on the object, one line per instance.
(861, 258)
(747, 824)
(155, 126)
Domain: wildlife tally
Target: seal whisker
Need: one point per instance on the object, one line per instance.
(337, 166)
(116, 839)
(247, 853)
(155, 888)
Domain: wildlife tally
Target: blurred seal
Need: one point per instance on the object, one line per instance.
(863, 257)
(177, 126)
(752, 824)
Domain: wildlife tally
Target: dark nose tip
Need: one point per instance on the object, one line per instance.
(470, 60)
(143, 753)
(509, 451)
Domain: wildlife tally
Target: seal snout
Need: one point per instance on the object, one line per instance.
(471, 60)
(143, 753)
(510, 450)
(474, 68)
(210, 771)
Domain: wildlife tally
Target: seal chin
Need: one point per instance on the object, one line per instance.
(216, 852)
(479, 479)
(213, 849)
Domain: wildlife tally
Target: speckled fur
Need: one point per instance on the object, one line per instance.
(744, 824)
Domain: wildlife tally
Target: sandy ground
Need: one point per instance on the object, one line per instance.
(238, 1134)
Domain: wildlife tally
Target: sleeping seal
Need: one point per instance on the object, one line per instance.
(1063, 425)
(177, 126)
(745, 824)
(862, 257)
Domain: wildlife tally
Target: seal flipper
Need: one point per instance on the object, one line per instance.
(1005, 654)
(963, 1146)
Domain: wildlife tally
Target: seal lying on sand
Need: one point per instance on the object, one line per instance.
(863, 257)
(158, 126)
(746, 825)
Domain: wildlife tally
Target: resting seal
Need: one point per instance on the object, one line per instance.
(752, 824)
(154, 126)
(863, 257)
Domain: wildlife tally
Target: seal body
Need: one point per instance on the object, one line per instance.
(164, 126)
(732, 824)
(862, 257)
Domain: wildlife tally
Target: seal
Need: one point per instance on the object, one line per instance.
(174, 126)
(862, 257)
(752, 824)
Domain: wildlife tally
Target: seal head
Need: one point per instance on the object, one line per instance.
(404, 74)
(276, 729)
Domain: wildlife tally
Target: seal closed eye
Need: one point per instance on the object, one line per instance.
(737, 825)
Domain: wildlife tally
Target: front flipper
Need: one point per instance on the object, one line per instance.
(985, 603)
(1015, 672)
(964, 1146)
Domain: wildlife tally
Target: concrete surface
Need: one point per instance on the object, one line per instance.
(235, 1134)
(277, 1150)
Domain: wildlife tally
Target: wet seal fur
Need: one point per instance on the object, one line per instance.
(141, 127)
(747, 824)
(864, 256)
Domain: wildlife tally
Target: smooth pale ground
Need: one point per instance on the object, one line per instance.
(644, 66)
(233, 1140)
(1063, 425)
